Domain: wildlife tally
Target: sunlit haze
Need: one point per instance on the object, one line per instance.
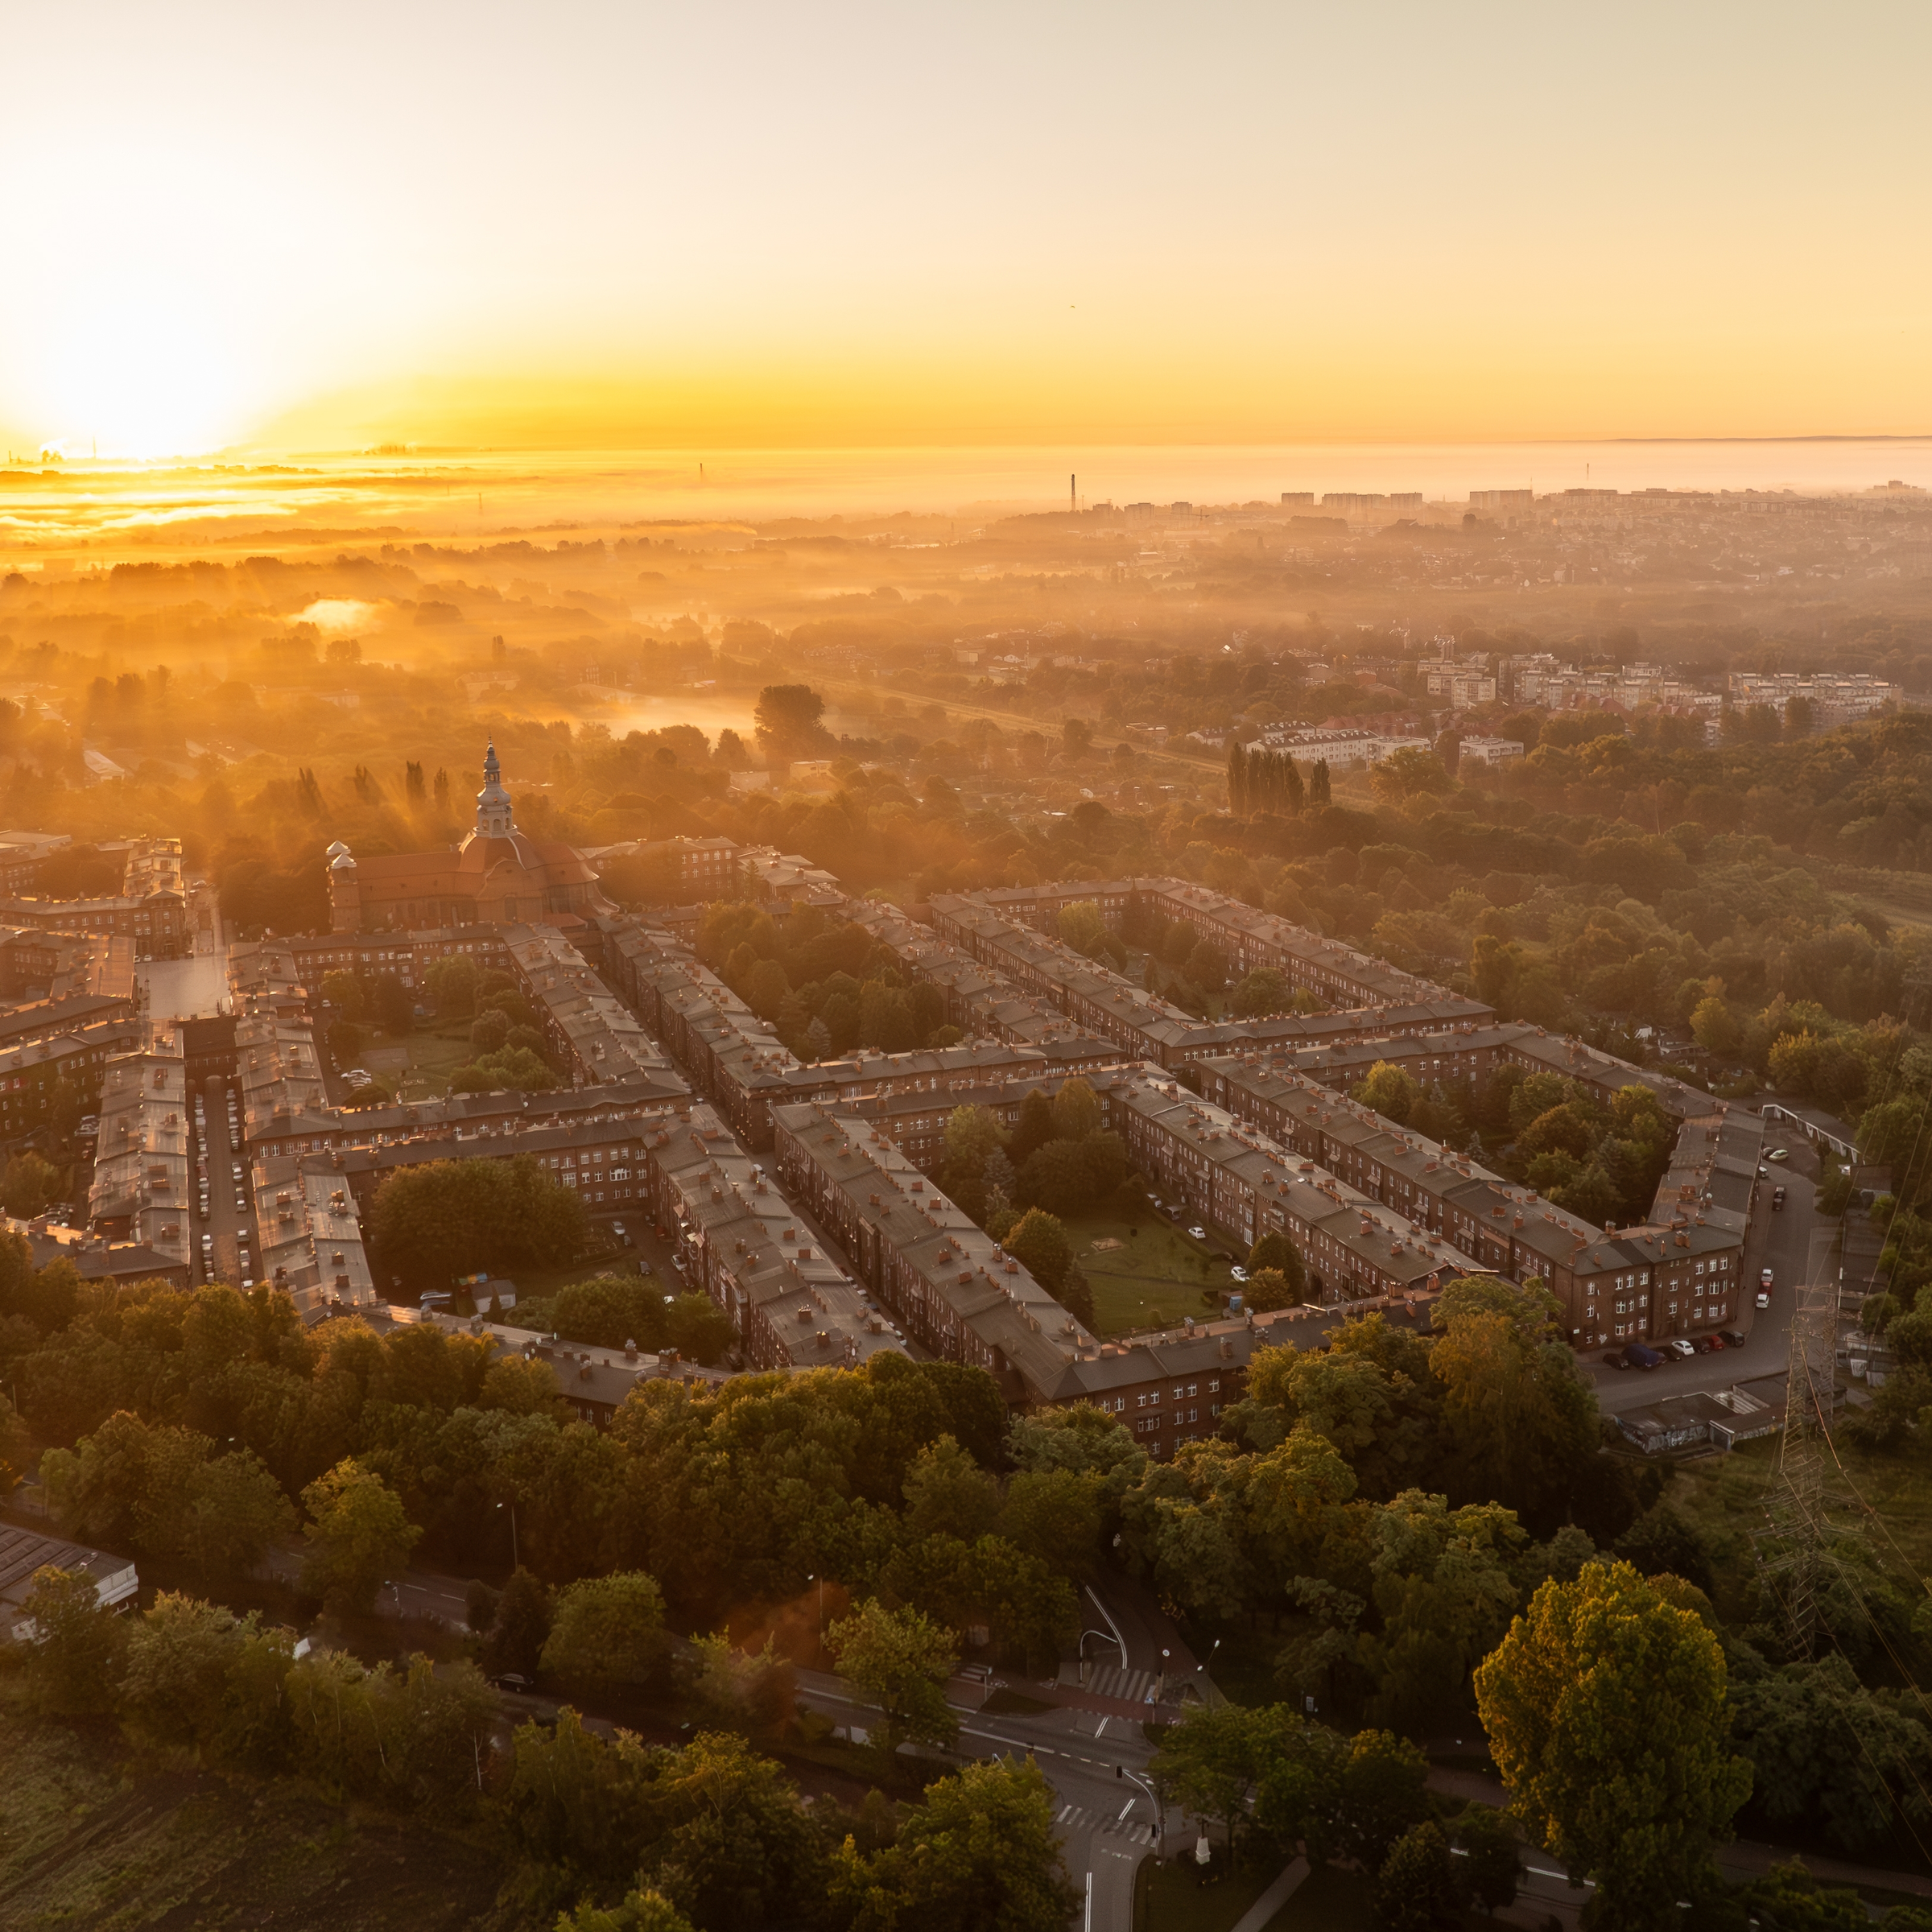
(603, 226)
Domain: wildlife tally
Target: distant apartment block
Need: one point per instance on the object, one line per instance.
(1366, 503)
(1834, 699)
(1502, 499)
(1493, 751)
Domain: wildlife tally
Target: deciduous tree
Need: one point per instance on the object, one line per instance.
(897, 1661)
(359, 1535)
(1608, 1718)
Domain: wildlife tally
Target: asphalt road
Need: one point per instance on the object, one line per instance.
(1797, 1243)
(224, 1222)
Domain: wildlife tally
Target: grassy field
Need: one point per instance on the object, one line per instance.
(1329, 1901)
(433, 1057)
(1723, 1497)
(90, 1835)
(1151, 1279)
(1166, 1899)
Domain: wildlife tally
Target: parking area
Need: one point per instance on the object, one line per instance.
(223, 1218)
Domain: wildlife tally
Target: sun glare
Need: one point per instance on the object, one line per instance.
(141, 377)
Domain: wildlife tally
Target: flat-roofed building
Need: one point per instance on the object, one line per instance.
(25, 1553)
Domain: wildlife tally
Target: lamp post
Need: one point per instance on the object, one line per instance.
(515, 1560)
(812, 1577)
(1160, 1688)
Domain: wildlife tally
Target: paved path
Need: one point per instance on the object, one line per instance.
(1271, 1901)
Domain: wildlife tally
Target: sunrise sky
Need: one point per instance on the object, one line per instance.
(612, 225)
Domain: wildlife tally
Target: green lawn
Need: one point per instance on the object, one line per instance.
(1152, 1278)
(1327, 1901)
(1167, 1898)
(433, 1057)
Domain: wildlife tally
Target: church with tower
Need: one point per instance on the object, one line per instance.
(496, 877)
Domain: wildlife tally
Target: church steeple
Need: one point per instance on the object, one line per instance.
(493, 815)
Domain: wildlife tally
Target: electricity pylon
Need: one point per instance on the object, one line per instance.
(1794, 1554)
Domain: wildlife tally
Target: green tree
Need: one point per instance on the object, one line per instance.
(178, 1656)
(1213, 1758)
(1444, 1581)
(1517, 1414)
(948, 1494)
(641, 1912)
(1055, 1515)
(1384, 1793)
(30, 1184)
(519, 1632)
(1713, 1025)
(1038, 1243)
(1492, 1867)
(766, 988)
(1083, 928)
(1389, 1090)
(488, 1033)
(1415, 1890)
(237, 1513)
(343, 991)
(980, 1853)
(1606, 1715)
(898, 1661)
(972, 1133)
(74, 1658)
(787, 719)
(1076, 1111)
(359, 1535)
(605, 1630)
(447, 1218)
(1263, 992)
(451, 983)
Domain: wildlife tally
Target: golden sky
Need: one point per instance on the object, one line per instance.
(604, 225)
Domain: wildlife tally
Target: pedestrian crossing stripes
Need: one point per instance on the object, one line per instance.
(1077, 1817)
(1128, 1686)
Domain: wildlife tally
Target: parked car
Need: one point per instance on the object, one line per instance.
(1705, 1344)
(1764, 1279)
(1779, 1153)
(1763, 1298)
(1732, 1338)
(1636, 1356)
(1239, 1272)
(1614, 1359)
(1199, 1234)
(1677, 1345)
(1778, 1198)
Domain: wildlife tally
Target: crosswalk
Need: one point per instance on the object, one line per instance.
(1129, 1686)
(1077, 1817)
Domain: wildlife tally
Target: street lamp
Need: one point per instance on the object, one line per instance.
(516, 1561)
(1160, 1688)
(812, 1577)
